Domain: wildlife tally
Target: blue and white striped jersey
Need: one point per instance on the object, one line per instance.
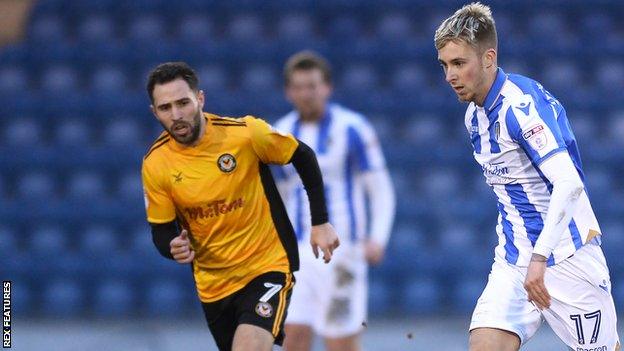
(346, 146)
(519, 126)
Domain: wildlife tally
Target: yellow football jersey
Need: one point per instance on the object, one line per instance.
(222, 192)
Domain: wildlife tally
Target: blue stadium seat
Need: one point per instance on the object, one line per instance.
(195, 28)
(22, 132)
(259, 78)
(380, 299)
(408, 78)
(123, 132)
(59, 79)
(97, 28)
(546, 22)
(48, 28)
(423, 129)
(457, 236)
(114, 298)
(344, 29)
(245, 28)
(147, 28)
(616, 127)
(48, 240)
(108, 79)
(359, 77)
(593, 27)
(421, 296)
(8, 243)
(36, 186)
(13, 78)
(294, 27)
(212, 77)
(560, 76)
(440, 184)
(140, 241)
(23, 298)
(85, 186)
(63, 298)
(599, 182)
(466, 293)
(583, 125)
(130, 186)
(98, 240)
(394, 27)
(73, 132)
(609, 75)
(166, 298)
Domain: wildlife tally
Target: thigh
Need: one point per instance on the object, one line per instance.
(264, 301)
(582, 311)
(490, 339)
(221, 318)
(504, 304)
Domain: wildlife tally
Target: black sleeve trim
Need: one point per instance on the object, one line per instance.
(162, 234)
(307, 166)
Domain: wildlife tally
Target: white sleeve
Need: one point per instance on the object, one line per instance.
(382, 204)
(567, 188)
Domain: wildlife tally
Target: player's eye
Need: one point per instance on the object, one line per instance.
(164, 107)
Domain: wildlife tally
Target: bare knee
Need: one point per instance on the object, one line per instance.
(490, 339)
(298, 337)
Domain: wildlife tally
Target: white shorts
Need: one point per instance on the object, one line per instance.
(331, 298)
(582, 313)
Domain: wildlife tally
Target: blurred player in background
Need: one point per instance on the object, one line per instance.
(331, 300)
(211, 201)
(548, 263)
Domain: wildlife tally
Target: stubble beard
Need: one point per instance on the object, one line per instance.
(195, 128)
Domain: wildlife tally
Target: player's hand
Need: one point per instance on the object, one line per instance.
(324, 237)
(534, 282)
(373, 252)
(181, 248)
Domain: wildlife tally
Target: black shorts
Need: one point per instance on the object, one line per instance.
(262, 302)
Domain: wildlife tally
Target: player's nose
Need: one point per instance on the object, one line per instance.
(176, 114)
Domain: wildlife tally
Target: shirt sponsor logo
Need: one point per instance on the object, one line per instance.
(213, 209)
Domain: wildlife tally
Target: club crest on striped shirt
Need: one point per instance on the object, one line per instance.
(496, 130)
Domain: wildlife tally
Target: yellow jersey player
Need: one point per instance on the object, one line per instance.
(211, 201)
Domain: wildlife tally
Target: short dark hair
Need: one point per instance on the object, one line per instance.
(170, 71)
(307, 60)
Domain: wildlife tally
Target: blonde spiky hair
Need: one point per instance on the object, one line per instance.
(472, 24)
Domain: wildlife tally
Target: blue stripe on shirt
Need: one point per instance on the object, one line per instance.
(533, 222)
(511, 251)
(475, 138)
(323, 133)
(494, 134)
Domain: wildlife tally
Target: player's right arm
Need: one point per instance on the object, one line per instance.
(161, 217)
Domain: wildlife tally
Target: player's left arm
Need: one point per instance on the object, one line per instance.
(533, 123)
(566, 191)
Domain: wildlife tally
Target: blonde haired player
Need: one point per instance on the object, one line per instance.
(548, 263)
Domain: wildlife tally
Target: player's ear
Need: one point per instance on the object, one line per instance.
(489, 58)
(153, 109)
(201, 99)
